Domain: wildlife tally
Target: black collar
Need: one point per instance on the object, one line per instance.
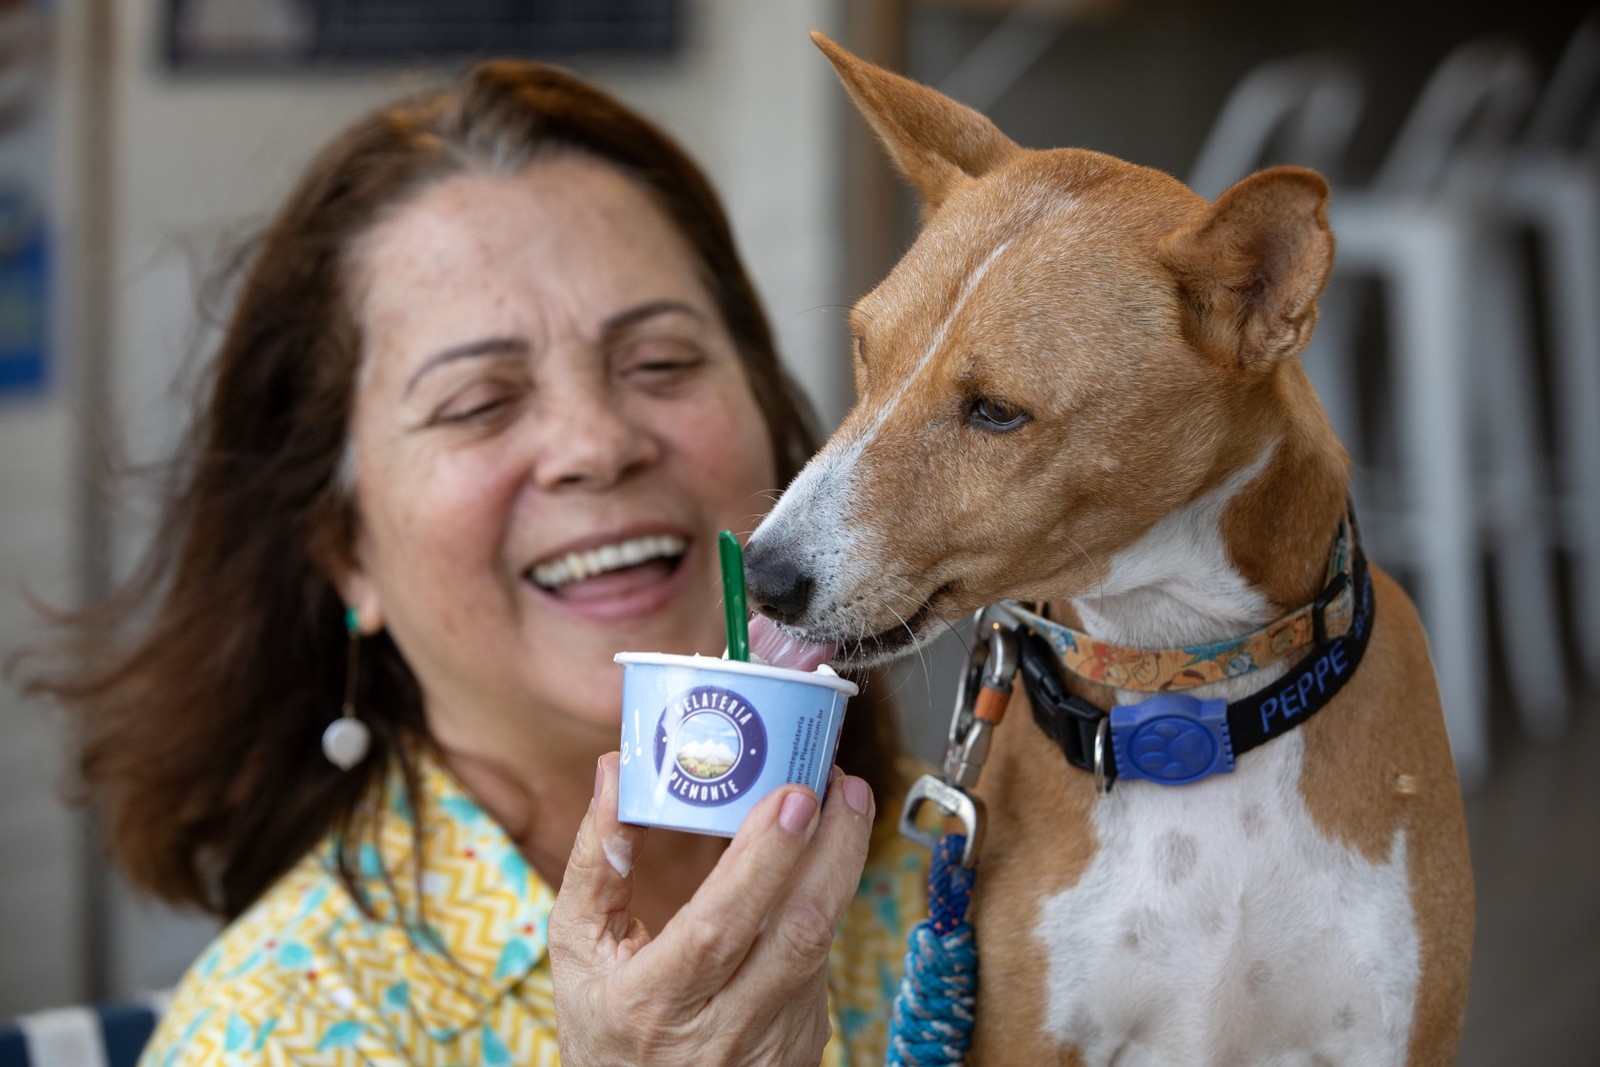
(1176, 739)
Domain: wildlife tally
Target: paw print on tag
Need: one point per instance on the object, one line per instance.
(1173, 749)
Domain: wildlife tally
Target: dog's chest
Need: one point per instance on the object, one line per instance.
(1215, 925)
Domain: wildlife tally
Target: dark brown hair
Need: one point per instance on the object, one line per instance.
(202, 687)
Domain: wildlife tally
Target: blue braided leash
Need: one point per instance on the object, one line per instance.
(932, 1019)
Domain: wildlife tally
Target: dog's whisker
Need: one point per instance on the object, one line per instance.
(922, 659)
(842, 309)
(1100, 584)
(961, 636)
(905, 680)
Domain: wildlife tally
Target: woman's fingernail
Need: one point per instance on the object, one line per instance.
(795, 815)
(599, 779)
(833, 774)
(858, 794)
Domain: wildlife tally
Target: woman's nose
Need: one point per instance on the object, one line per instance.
(589, 439)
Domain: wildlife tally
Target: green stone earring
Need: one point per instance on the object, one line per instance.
(346, 740)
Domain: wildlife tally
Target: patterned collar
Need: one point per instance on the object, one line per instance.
(1169, 669)
(1175, 738)
(478, 927)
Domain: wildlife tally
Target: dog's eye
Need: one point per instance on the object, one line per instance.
(1000, 416)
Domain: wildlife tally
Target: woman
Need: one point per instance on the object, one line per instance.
(494, 380)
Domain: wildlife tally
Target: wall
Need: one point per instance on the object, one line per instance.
(42, 842)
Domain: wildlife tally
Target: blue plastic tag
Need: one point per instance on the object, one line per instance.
(1171, 738)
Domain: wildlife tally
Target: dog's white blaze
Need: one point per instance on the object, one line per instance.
(1176, 585)
(1217, 926)
(968, 287)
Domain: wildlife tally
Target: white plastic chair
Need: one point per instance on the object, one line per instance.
(1302, 109)
(1552, 185)
(1466, 470)
(1459, 489)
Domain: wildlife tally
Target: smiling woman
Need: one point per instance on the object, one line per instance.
(494, 380)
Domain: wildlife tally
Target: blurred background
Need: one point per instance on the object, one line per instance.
(141, 141)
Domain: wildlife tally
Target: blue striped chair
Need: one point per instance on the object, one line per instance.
(105, 1035)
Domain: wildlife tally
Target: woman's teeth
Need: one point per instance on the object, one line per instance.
(576, 566)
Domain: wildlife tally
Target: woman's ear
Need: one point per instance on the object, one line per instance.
(360, 595)
(339, 557)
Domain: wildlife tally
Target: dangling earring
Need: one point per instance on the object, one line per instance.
(347, 738)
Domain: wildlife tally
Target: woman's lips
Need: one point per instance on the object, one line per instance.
(622, 595)
(623, 582)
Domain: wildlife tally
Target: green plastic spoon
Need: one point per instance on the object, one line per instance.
(736, 616)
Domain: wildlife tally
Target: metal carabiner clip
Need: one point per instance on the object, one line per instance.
(954, 802)
(981, 700)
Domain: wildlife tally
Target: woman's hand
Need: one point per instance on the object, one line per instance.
(738, 975)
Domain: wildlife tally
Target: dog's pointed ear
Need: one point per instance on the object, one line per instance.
(1250, 269)
(938, 144)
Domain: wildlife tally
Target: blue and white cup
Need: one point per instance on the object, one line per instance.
(704, 739)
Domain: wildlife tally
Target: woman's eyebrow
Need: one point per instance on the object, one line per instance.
(634, 315)
(488, 346)
(516, 346)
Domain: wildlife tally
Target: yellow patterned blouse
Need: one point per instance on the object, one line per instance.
(303, 977)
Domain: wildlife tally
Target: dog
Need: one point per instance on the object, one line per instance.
(1080, 389)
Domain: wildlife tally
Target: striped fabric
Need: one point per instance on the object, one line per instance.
(105, 1035)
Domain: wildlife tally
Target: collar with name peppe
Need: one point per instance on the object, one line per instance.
(1175, 739)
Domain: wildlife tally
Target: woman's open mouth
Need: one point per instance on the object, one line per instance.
(607, 572)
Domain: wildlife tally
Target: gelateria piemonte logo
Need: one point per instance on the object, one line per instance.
(719, 745)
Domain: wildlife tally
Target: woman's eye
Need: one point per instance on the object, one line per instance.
(663, 364)
(995, 415)
(474, 405)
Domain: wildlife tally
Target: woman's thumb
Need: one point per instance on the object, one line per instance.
(597, 889)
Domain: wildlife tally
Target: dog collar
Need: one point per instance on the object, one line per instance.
(1175, 739)
(1164, 670)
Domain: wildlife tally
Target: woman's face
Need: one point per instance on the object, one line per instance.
(551, 425)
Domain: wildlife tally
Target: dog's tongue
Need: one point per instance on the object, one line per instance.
(771, 645)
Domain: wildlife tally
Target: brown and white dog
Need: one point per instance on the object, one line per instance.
(1081, 386)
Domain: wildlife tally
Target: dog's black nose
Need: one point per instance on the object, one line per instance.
(776, 586)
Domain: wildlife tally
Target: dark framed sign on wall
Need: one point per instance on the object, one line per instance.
(244, 35)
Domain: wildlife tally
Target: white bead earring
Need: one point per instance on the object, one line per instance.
(346, 740)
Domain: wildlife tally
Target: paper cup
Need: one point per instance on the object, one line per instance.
(704, 739)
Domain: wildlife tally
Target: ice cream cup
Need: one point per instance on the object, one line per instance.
(704, 739)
